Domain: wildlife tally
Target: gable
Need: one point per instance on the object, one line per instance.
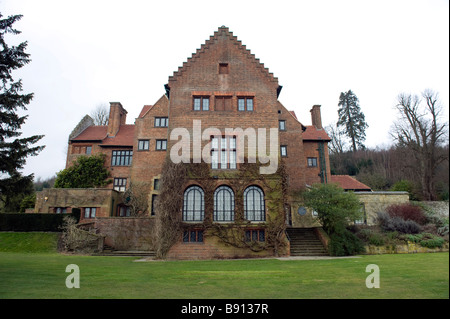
(222, 60)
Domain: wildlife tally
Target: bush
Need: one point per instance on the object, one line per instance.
(344, 243)
(407, 212)
(392, 224)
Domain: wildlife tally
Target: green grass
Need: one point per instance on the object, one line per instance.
(401, 276)
(32, 242)
(42, 275)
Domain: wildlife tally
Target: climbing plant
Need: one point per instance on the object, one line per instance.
(174, 180)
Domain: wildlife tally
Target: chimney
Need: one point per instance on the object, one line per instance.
(117, 117)
(316, 118)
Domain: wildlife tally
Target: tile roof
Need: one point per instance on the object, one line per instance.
(124, 137)
(348, 183)
(312, 133)
(144, 110)
(92, 133)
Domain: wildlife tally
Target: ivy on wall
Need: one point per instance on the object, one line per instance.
(177, 177)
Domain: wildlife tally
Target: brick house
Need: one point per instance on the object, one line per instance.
(224, 87)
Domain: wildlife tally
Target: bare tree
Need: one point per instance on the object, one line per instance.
(337, 135)
(100, 115)
(136, 197)
(420, 129)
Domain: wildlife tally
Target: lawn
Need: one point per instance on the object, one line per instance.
(25, 275)
(30, 267)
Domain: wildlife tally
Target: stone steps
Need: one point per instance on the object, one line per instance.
(304, 242)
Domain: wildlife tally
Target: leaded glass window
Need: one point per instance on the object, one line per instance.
(194, 204)
(223, 204)
(254, 208)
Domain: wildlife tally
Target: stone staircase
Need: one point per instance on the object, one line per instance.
(304, 242)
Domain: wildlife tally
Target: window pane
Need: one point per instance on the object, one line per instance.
(282, 125)
(223, 159)
(87, 212)
(197, 102)
(157, 122)
(249, 104)
(205, 104)
(93, 210)
(232, 159)
(215, 160)
(241, 104)
(215, 143)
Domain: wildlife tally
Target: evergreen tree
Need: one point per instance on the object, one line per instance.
(352, 119)
(13, 149)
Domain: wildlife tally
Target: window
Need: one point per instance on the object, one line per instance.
(154, 199)
(156, 184)
(363, 219)
(283, 150)
(60, 210)
(143, 145)
(193, 204)
(223, 103)
(282, 125)
(161, 145)
(223, 68)
(193, 236)
(245, 104)
(120, 184)
(201, 103)
(82, 150)
(255, 235)
(89, 212)
(223, 152)
(121, 158)
(223, 204)
(123, 211)
(312, 161)
(254, 209)
(161, 121)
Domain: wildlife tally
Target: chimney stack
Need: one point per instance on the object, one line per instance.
(117, 117)
(316, 117)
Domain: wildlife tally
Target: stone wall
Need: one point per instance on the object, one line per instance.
(440, 208)
(104, 200)
(409, 248)
(127, 233)
(375, 202)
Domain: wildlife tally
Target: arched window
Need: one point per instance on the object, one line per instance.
(194, 204)
(254, 204)
(223, 204)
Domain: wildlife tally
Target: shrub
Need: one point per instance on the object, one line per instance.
(398, 224)
(426, 240)
(344, 243)
(407, 212)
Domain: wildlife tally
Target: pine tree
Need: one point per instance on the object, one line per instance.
(13, 149)
(352, 119)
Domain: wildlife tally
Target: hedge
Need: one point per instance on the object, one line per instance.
(34, 221)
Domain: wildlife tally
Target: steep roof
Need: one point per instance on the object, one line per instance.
(348, 183)
(222, 31)
(124, 136)
(314, 134)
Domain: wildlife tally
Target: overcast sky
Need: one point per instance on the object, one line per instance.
(87, 53)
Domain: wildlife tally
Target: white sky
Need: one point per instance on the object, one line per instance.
(86, 53)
